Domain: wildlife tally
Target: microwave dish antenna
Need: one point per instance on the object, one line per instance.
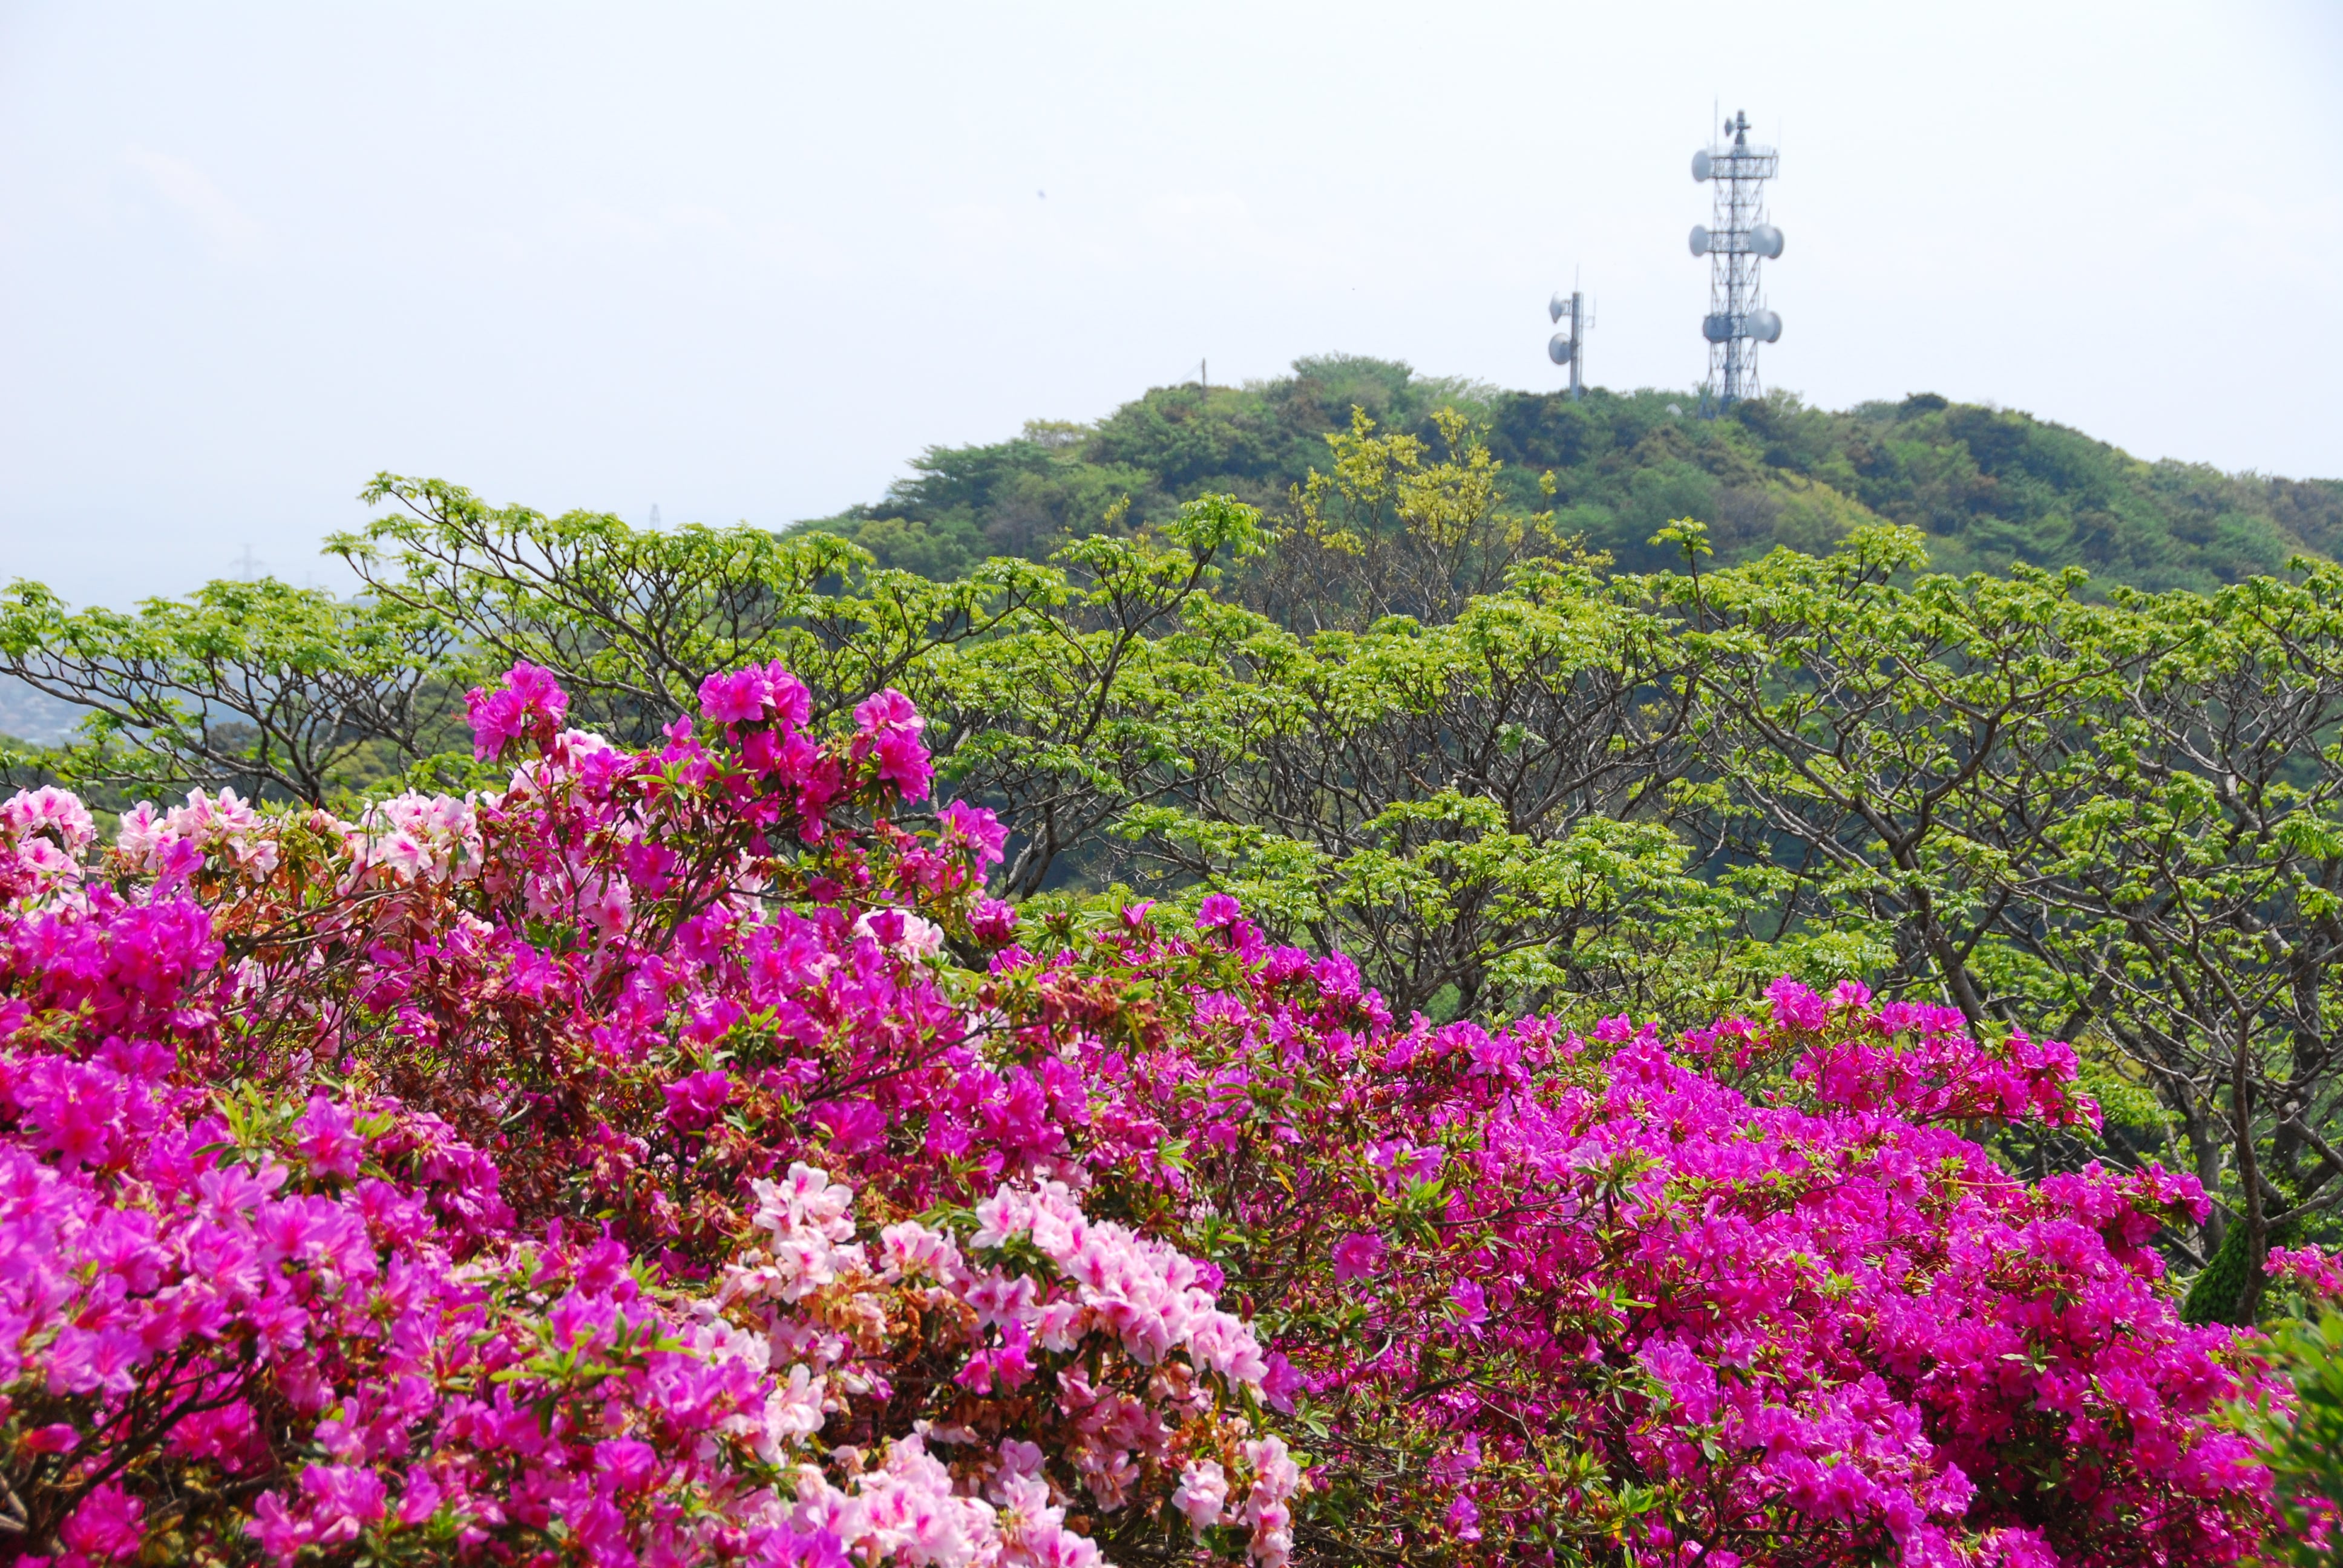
(1568, 346)
(1737, 239)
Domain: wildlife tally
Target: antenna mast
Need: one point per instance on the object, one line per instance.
(1738, 244)
(1569, 346)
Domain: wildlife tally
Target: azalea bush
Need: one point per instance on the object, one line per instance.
(399, 1187)
(678, 1156)
(1747, 1295)
(2303, 1425)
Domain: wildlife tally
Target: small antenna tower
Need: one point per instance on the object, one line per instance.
(249, 567)
(1568, 346)
(1740, 241)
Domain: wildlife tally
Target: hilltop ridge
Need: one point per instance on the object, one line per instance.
(1989, 487)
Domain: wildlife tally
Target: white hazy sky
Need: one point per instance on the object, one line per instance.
(742, 261)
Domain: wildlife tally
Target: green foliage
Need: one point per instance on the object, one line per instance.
(2219, 1288)
(1987, 489)
(632, 619)
(273, 690)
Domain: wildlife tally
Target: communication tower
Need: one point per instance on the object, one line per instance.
(1737, 241)
(1569, 346)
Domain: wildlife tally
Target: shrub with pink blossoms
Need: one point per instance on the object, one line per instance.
(255, 1301)
(620, 1168)
(2317, 1273)
(2302, 1420)
(1745, 1296)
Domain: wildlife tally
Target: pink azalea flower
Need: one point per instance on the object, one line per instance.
(107, 1527)
(1358, 1256)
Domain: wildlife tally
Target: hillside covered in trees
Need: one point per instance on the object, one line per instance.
(1988, 487)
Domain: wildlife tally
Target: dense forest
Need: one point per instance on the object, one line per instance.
(1688, 979)
(1988, 487)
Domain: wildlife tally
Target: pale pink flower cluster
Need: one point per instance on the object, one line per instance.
(905, 1509)
(1269, 1506)
(1153, 1298)
(921, 939)
(414, 838)
(1202, 1499)
(50, 830)
(573, 754)
(222, 826)
(1150, 1294)
(409, 839)
(572, 780)
(808, 1224)
(1143, 1296)
(605, 903)
(1202, 1494)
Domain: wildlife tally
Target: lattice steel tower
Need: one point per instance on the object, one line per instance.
(1738, 244)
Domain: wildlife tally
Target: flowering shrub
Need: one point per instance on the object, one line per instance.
(2317, 1273)
(2302, 1423)
(1560, 1294)
(482, 1255)
(674, 1158)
